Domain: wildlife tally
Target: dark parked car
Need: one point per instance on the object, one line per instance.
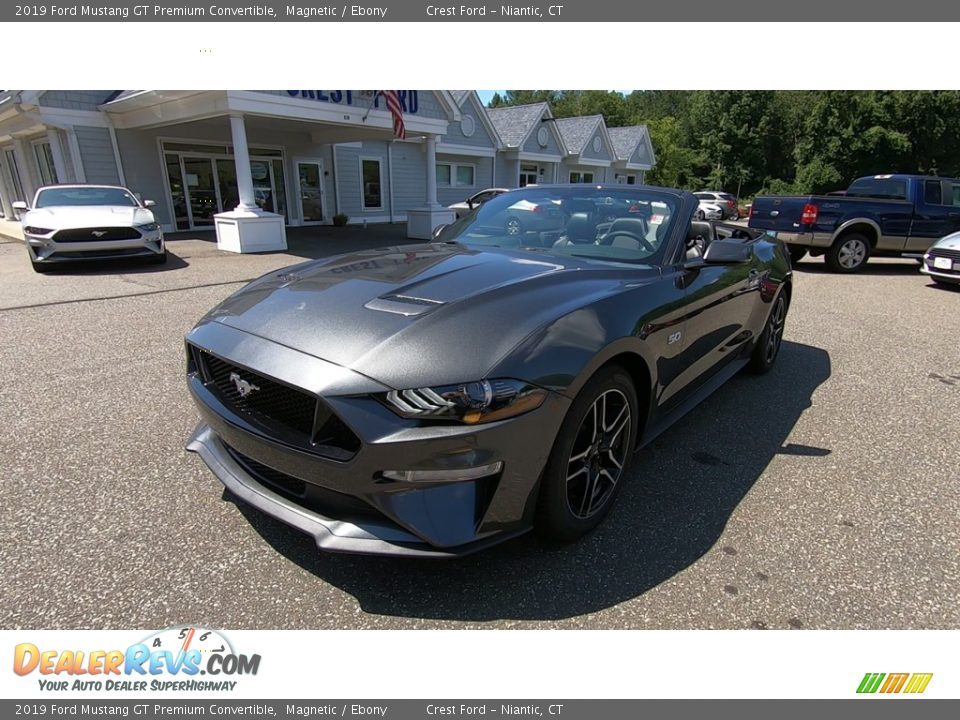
(434, 399)
(880, 215)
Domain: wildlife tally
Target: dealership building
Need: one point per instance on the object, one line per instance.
(252, 162)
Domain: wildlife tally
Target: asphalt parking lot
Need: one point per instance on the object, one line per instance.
(822, 495)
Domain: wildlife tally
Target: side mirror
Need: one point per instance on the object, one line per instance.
(437, 230)
(728, 252)
(149, 203)
(20, 205)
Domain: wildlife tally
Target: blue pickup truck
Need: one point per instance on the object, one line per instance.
(880, 215)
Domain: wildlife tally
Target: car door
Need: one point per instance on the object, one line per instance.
(935, 214)
(719, 302)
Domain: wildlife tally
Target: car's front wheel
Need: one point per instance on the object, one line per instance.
(589, 457)
(768, 344)
(39, 267)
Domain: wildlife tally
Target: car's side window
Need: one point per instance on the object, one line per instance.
(956, 194)
(931, 192)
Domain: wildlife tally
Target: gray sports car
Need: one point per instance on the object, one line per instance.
(434, 399)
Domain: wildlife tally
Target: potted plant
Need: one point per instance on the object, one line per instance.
(340, 219)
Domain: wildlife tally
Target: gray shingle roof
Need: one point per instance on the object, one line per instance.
(577, 131)
(513, 123)
(626, 139)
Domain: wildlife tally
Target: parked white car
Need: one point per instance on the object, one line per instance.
(709, 211)
(474, 201)
(71, 223)
(942, 261)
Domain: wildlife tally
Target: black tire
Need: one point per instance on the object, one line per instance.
(160, 259)
(768, 344)
(797, 253)
(735, 216)
(39, 267)
(849, 253)
(581, 479)
(513, 226)
(701, 215)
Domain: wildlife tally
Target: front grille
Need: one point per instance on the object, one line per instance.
(267, 398)
(100, 254)
(945, 252)
(326, 502)
(97, 234)
(296, 416)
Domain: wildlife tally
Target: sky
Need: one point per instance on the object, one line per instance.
(487, 95)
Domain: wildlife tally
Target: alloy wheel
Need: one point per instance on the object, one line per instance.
(599, 454)
(775, 331)
(852, 253)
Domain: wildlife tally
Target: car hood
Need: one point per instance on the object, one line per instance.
(64, 216)
(420, 314)
(950, 242)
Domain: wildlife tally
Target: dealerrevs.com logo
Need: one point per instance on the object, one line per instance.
(892, 683)
(172, 659)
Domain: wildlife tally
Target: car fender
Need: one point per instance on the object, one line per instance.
(860, 220)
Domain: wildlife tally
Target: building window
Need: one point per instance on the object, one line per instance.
(45, 164)
(443, 175)
(455, 175)
(625, 179)
(371, 172)
(581, 177)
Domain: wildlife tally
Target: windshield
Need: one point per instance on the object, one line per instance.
(609, 224)
(54, 197)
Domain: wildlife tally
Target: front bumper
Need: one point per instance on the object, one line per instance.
(348, 506)
(943, 275)
(44, 249)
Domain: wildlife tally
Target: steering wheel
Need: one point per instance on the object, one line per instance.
(610, 237)
(740, 235)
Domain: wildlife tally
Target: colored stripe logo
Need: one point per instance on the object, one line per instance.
(913, 683)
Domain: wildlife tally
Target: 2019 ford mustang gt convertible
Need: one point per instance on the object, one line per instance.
(434, 399)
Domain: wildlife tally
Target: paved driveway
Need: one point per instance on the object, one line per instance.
(823, 495)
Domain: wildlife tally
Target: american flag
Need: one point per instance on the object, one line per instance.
(396, 110)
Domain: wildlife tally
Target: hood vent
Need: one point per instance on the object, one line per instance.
(403, 305)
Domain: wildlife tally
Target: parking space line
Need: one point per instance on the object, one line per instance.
(128, 295)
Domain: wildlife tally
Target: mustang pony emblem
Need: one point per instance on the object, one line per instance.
(244, 387)
(99, 233)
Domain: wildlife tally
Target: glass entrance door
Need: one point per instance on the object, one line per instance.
(528, 174)
(203, 200)
(310, 178)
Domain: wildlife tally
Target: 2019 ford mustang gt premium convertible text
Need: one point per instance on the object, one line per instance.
(434, 399)
(70, 223)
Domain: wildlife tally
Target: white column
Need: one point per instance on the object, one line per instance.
(241, 157)
(56, 149)
(432, 171)
(79, 175)
(5, 199)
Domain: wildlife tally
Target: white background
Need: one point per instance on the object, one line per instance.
(546, 664)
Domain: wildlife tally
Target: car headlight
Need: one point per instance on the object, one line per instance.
(149, 227)
(32, 230)
(470, 403)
